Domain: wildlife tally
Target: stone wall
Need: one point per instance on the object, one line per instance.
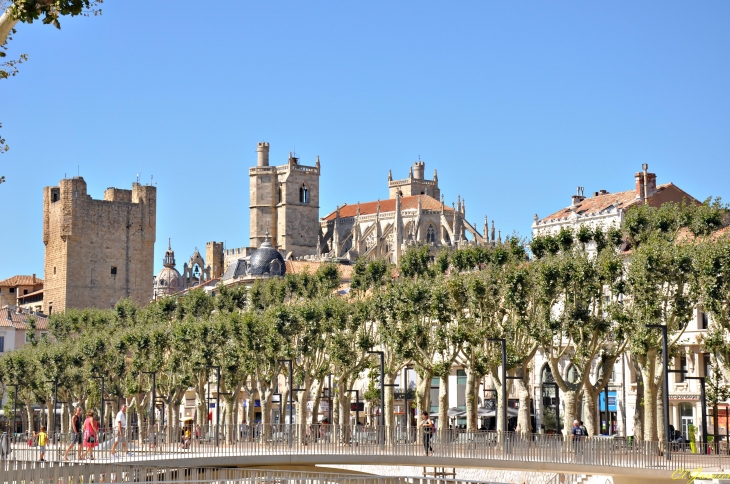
(98, 251)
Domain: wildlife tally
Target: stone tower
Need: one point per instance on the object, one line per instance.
(284, 202)
(415, 184)
(214, 258)
(97, 251)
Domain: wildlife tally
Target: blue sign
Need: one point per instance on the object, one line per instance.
(611, 401)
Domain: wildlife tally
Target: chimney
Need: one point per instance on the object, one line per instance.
(603, 192)
(650, 184)
(639, 186)
(577, 198)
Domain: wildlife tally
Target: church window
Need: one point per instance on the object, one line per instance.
(304, 193)
(275, 268)
(430, 235)
(114, 271)
(280, 199)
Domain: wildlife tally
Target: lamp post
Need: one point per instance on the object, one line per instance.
(217, 397)
(665, 383)
(704, 407)
(406, 410)
(503, 397)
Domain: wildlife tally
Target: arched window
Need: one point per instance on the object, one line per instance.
(280, 199)
(430, 235)
(275, 268)
(572, 375)
(304, 193)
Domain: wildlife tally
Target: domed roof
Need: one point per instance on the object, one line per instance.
(169, 280)
(266, 260)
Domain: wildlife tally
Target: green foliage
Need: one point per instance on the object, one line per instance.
(50, 10)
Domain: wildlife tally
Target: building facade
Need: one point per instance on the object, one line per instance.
(412, 215)
(97, 251)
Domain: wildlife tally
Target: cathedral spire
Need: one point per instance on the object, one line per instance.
(390, 175)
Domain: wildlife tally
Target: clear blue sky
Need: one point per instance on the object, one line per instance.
(515, 104)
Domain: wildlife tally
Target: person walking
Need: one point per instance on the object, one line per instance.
(120, 431)
(427, 425)
(576, 436)
(91, 434)
(78, 437)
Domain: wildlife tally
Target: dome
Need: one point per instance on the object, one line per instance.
(169, 280)
(266, 260)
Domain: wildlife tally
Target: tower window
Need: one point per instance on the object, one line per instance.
(114, 271)
(54, 271)
(304, 193)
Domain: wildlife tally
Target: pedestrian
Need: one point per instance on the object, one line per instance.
(120, 431)
(91, 434)
(427, 425)
(78, 437)
(576, 435)
(583, 429)
(42, 439)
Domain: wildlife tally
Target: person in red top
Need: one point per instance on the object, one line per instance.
(91, 434)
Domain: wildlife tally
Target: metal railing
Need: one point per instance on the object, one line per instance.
(325, 440)
(62, 473)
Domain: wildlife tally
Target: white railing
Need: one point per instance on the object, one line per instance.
(62, 473)
(330, 440)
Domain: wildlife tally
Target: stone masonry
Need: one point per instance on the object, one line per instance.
(284, 202)
(97, 251)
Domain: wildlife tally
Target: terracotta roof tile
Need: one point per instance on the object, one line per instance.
(600, 203)
(21, 281)
(10, 318)
(388, 205)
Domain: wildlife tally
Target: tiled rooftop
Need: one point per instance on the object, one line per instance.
(10, 318)
(16, 281)
(388, 205)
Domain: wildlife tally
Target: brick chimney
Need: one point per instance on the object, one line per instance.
(577, 198)
(643, 192)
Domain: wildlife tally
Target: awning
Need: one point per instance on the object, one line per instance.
(456, 412)
(186, 419)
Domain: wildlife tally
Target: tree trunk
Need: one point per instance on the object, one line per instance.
(343, 401)
(316, 401)
(6, 26)
(423, 391)
(302, 398)
(523, 417)
(590, 408)
(389, 408)
(472, 400)
(443, 422)
(639, 407)
(570, 398)
(648, 372)
(29, 412)
(661, 434)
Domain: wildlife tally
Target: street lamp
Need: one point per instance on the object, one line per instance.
(406, 410)
(327, 393)
(503, 397)
(665, 388)
(382, 384)
(217, 397)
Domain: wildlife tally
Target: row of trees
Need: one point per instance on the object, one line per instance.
(584, 297)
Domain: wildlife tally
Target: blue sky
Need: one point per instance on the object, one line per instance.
(515, 104)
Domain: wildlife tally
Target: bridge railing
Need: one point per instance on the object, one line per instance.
(65, 473)
(239, 440)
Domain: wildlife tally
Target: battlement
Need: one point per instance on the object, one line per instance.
(98, 251)
(415, 184)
